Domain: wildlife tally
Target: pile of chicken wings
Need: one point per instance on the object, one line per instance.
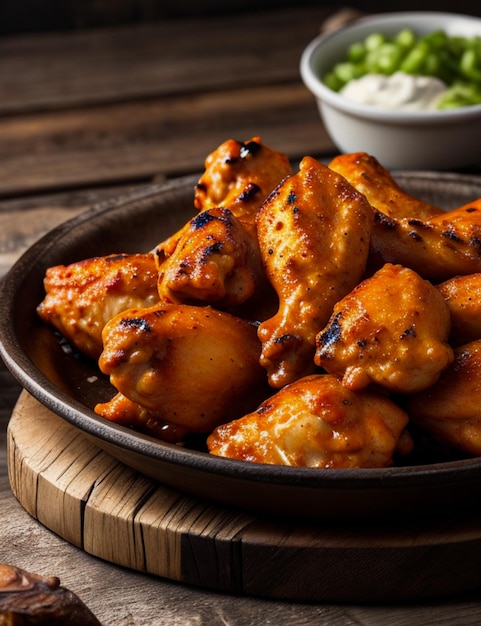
(321, 318)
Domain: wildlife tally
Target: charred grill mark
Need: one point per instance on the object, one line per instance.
(414, 235)
(452, 236)
(264, 408)
(384, 221)
(136, 322)
(201, 187)
(184, 268)
(250, 191)
(290, 338)
(214, 248)
(199, 221)
(206, 217)
(225, 216)
(332, 335)
(475, 242)
(275, 193)
(418, 224)
(409, 332)
(291, 198)
(250, 148)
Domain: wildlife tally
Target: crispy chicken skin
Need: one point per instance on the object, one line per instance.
(82, 297)
(123, 411)
(392, 330)
(437, 248)
(463, 297)
(189, 365)
(317, 422)
(215, 261)
(314, 238)
(450, 410)
(372, 179)
(240, 175)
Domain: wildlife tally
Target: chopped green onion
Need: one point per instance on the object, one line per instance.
(374, 41)
(356, 52)
(456, 60)
(405, 38)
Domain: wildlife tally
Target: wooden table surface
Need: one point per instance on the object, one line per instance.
(85, 116)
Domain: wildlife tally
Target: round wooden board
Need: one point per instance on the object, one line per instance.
(108, 510)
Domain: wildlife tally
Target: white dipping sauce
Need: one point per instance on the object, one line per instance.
(398, 91)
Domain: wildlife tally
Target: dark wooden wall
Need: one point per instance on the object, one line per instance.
(26, 16)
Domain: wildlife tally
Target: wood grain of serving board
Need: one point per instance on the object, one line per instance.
(112, 512)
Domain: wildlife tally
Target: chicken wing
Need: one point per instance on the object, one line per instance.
(316, 422)
(191, 366)
(314, 238)
(463, 297)
(215, 261)
(370, 178)
(82, 297)
(450, 410)
(437, 248)
(123, 411)
(240, 175)
(392, 330)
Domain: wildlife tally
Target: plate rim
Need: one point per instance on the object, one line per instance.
(93, 425)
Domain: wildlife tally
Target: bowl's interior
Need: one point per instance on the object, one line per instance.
(325, 50)
(71, 385)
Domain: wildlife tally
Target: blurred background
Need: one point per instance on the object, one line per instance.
(17, 16)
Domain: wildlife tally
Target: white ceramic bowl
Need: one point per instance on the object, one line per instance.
(433, 140)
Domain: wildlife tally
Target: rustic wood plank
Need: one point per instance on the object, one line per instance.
(24, 220)
(120, 597)
(135, 141)
(52, 15)
(113, 537)
(159, 58)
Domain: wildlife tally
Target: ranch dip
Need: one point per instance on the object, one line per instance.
(398, 91)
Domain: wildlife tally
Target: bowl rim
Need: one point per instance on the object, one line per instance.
(327, 96)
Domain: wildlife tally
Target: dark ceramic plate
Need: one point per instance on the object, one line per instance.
(62, 381)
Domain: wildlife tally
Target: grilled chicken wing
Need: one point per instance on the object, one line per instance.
(392, 330)
(370, 178)
(317, 422)
(240, 175)
(190, 366)
(463, 297)
(314, 238)
(437, 248)
(82, 297)
(123, 411)
(215, 261)
(450, 410)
